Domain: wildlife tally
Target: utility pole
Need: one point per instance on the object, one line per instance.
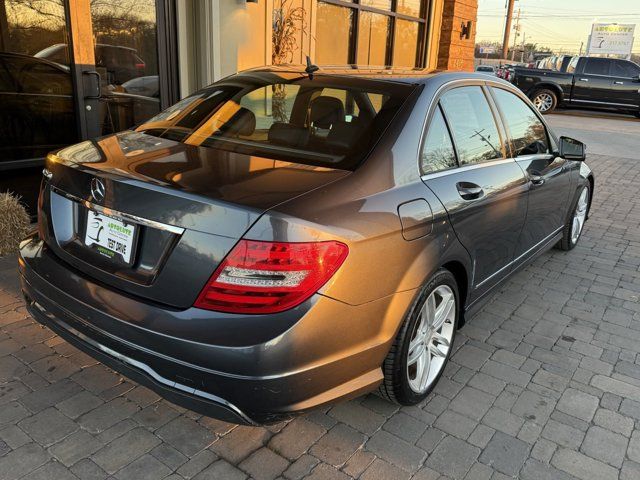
(581, 46)
(507, 29)
(524, 36)
(516, 32)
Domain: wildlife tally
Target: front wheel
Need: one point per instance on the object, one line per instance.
(544, 100)
(575, 224)
(423, 345)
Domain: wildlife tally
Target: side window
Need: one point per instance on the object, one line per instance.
(597, 66)
(472, 125)
(527, 131)
(620, 68)
(437, 152)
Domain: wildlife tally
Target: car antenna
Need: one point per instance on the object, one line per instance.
(311, 68)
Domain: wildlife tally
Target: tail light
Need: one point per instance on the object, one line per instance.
(268, 277)
(141, 67)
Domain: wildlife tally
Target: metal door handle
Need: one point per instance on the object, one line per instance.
(536, 179)
(584, 79)
(618, 83)
(469, 191)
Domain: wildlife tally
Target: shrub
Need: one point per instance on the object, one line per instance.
(14, 223)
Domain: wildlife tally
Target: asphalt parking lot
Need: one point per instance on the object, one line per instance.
(544, 382)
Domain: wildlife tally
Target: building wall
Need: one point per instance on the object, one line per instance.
(219, 37)
(456, 53)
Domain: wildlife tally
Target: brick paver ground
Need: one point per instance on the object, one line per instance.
(544, 384)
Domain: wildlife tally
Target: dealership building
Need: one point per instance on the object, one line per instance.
(72, 70)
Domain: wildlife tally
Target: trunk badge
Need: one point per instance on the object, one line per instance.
(97, 189)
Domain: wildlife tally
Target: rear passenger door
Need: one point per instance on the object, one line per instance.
(547, 173)
(483, 190)
(625, 83)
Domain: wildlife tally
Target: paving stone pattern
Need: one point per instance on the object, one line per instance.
(544, 384)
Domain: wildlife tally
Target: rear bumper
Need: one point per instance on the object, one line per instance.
(301, 368)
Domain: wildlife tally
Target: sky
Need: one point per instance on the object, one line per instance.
(560, 25)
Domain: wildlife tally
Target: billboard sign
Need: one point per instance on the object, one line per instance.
(487, 50)
(611, 39)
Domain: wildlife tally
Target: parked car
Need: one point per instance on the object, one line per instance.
(120, 63)
(251, 256)
(588, 82)
(486, 69)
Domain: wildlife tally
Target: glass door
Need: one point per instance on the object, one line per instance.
(72, 70)
(37, 112)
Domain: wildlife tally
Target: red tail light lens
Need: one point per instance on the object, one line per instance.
(268, 277)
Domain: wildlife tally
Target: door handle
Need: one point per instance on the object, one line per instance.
(536, 178)
(469, 191)
(98, 93)
(583, 79)
(618, 83)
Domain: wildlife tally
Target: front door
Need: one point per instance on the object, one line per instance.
(593, 83)
(547, 174)
(486, 196)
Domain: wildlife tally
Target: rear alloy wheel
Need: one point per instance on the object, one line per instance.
(423, 345)
(544, 100)
(574, 226)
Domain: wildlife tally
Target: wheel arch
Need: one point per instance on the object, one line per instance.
(459, 272)
(548, 86)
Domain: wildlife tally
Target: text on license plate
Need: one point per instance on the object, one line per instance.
(110, 236)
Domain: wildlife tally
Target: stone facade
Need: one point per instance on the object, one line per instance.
(455, 52)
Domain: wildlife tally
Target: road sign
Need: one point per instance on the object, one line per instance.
(611, 39)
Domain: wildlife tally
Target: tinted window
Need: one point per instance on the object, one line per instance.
(437, 151)
(286, 117)
(621, 68)
(527, 131)
(472, 124)
(597, 66)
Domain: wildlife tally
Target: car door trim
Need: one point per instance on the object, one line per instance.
(464, 168)
(521, 256)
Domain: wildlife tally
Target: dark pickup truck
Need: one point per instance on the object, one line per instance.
(592, 82)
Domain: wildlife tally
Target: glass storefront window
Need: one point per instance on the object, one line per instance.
(333, 34)
(409, 7)
(405, 44)
(127, 60)
(373, 38)
(381, 4)
(339, 43)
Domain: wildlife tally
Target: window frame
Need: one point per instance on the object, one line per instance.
(486, 85)
(596, 60)
(505, 145)
(623, 62)
(505, 124)
(432, 114)
(422, 21)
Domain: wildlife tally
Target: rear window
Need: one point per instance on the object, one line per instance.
(326, 121)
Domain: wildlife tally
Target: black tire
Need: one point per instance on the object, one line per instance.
(567, 243)
(539, 98)
(395, 386)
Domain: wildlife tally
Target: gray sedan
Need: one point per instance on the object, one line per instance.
(279, 241)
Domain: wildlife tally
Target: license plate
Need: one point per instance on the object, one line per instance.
(110, 236)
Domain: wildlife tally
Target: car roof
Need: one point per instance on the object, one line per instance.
(391, 74)
(63, 68)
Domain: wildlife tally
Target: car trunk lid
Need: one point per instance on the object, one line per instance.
(184, 206)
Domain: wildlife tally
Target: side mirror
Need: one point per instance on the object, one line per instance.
(571, 149)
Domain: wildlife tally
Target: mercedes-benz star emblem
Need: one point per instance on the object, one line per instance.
(97, 189)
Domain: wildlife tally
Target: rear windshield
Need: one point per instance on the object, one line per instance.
(328, 120)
